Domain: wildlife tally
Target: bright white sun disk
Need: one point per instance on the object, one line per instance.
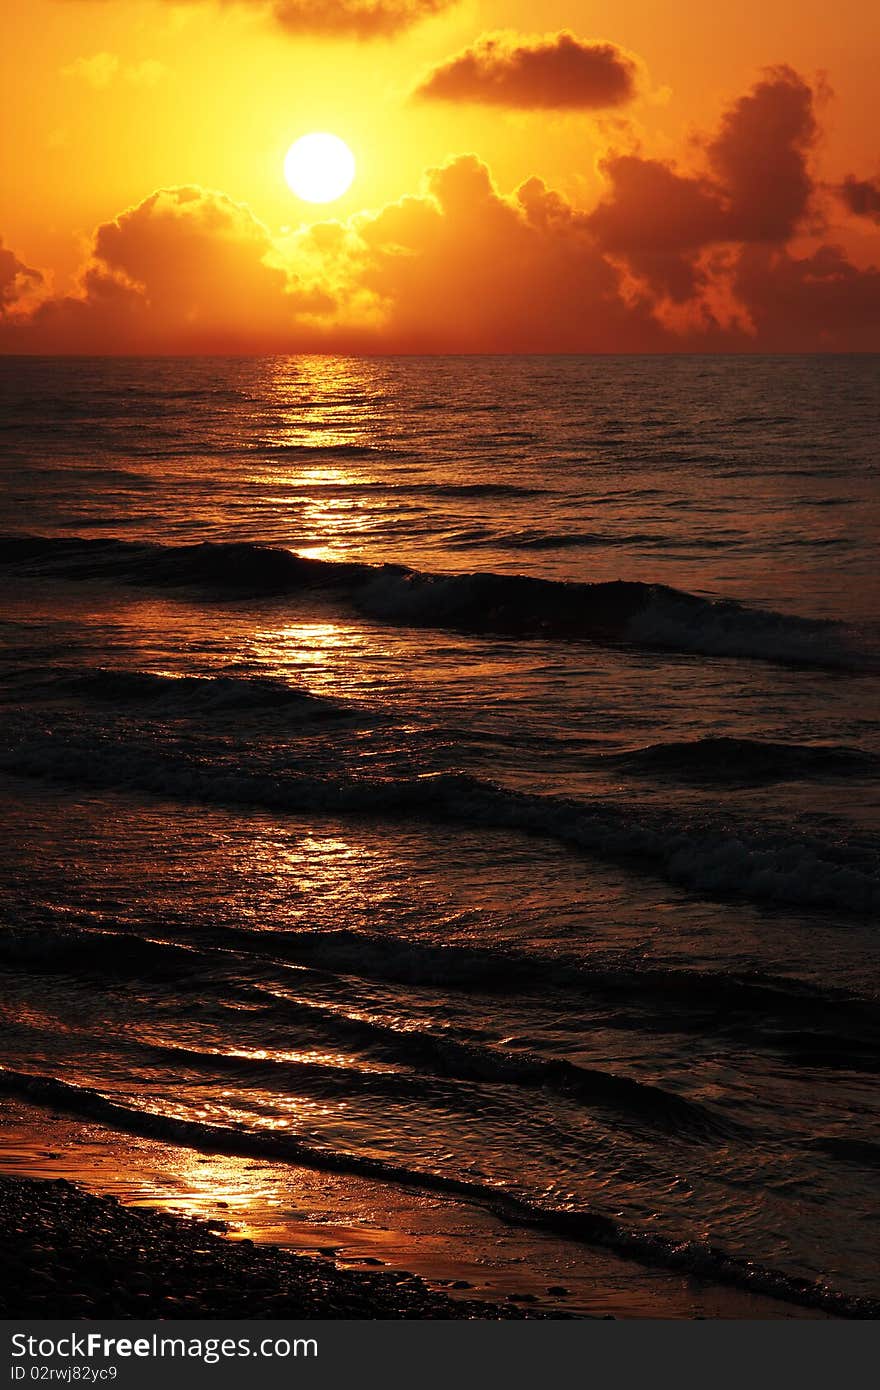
(319, 167)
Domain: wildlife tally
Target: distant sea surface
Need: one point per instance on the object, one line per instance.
(463, 772)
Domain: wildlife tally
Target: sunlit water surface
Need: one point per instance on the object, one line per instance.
(556, 896)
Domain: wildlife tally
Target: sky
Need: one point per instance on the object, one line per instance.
(623, 178)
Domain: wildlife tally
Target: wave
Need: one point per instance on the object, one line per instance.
(537, 539)
(90, 474)
(817, 1026)
(651, 616)
(453, 1060)
(690, 1257)
(306, 449)
(862, 1152)
(189, 693)
(104, 955)
(356, 487)
(492, 969)
(719, 861)
(472, 489)
(828, 1049)
(744, 760)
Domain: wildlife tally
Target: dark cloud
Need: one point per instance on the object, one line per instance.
(756, 188)
(658, 219)
(760, 157)
(16, 279)
(819, 302)
(557, 72)
(861, 196)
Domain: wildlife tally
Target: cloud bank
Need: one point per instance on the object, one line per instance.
(558, 72)
(186, 268)
(724, 256)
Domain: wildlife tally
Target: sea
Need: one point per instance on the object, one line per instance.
(455, 777)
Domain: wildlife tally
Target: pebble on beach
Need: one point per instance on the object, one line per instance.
(68, 1253)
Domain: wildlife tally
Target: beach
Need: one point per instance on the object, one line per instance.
(459, 1251)
(67, 1253)
(439, 803)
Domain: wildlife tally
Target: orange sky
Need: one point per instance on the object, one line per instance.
(651, 240)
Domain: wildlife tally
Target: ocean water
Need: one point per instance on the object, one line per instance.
(460, 773)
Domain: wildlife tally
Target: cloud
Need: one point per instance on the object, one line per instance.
(818, 302)
(461, 267)
(861, 196)
(189, 250)
(186, 269)
(658, 219)
(16, 280)
(97, 71)
(361, 19)
(557, 72)
(760, 157)
(146, 73)
(756, 187)
(364, 19)
(103, 68)
(466, 268)
(669, 260)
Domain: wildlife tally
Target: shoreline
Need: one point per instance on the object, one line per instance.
(458, 1251)
(71, 1254)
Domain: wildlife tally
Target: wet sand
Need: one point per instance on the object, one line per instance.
(458, 1251)
(68, 1253)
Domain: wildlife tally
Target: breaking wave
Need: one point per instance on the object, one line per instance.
(651, 616)
(712, 860)
(189, 693)
(588, 1226)
(797, 1014)
(743, 760)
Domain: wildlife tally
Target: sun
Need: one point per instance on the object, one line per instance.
(319, 167)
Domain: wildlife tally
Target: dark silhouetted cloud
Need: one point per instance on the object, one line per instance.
(756, 188)
(818, 302)
(658, 219)
(557, 72)
(861, 196)
(760, 157)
